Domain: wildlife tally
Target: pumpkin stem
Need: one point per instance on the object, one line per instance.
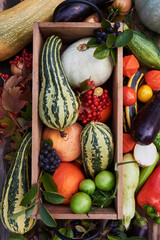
(82, 47)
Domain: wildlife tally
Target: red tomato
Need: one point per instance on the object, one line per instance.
(129, 96)
(123, 6)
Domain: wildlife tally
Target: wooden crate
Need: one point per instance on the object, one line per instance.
(70, 32)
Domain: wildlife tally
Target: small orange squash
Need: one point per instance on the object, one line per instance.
(66, 143)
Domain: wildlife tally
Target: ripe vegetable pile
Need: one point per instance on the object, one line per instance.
(68, 136)
(141, 124)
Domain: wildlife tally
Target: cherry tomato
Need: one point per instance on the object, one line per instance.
(145, 93)
(88, 186)
(80, 203)
(105, 180)
(124, 6)
(129, 96)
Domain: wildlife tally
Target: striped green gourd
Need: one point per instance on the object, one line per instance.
(15, 187)
(97, 147)
(58, 104)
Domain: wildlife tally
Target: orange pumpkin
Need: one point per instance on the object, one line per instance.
(67, 143)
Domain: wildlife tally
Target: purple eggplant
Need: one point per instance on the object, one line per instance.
(146, 124)
(77, 11)
(138, 227)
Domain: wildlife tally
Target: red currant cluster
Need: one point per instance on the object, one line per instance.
(22, 65)
(4, 76)
(94, 102)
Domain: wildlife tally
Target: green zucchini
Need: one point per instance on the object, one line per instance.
(58, 104)
(144, 49)
(15, 187)
(97, 148)
(129, 112)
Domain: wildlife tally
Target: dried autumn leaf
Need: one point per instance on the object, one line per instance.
(10, 130)
(11, 100)
(13, 81)
(2, 111)
(27, 94)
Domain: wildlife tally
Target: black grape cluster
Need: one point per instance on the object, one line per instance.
(48, 158)
(101, 36)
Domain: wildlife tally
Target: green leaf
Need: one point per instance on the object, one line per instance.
(113, 238)
(102, 51)
(54, 198)
(70, 233)
(105, 23)
(92, 43)
(62, 231)
(114, 55)
(124, 38)
(27, 114)
(80, 228)
(156, 141)
(16, 237)
(48, 183)
(30, 195)
(28, 211)
(110, 40)
(84, 86)
(46, 216)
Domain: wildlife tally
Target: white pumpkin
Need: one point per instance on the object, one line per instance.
(79, 64)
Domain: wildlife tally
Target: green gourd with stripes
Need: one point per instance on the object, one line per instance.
(97, 148)
(58, 104)
(15, 187)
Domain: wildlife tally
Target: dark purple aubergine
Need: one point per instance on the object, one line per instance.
(138, 227)
(146, 124)
(76, 11)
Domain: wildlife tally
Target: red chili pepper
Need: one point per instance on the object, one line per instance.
(149, 196)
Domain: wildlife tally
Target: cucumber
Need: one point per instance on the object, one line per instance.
(144, 49)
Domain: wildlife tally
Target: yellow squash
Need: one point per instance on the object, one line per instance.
(16, 26)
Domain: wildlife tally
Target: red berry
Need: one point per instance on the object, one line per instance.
(3, 75)
(89, 116)
(89, 101)
(104, 106)
(21, 60)
(1, 140)
(93, 88)
(90, 92)
(84, 121)
(94, 114)
(88, 82)
(86, 104)
(92, 82)
(10, 62)
(97, 113)
(95, 97)
(96, 104)
(89, 97)
(92, 106)
(89, 111)
(105, 91)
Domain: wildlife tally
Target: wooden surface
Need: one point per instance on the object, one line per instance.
(154, 229)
